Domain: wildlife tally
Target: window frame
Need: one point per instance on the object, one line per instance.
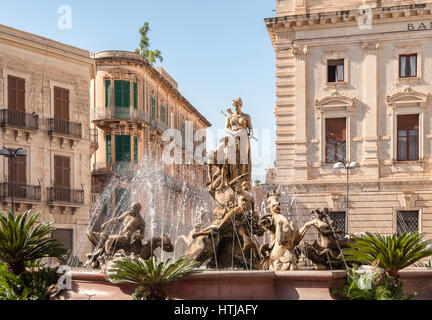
(337, 142)
(408, 65)
(399, 213)
(336, 65)
(407, 155)
(407, 102)
(17, 74)
(344, 218)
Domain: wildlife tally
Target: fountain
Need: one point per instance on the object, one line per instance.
(239, 264)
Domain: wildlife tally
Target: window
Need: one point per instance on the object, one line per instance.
(407, 221)
(408, 137)
(122, 148)
(335, 70)
(62, 177)
(335, 140)
(122, 93)
(339, 221)
(135, 95)
(17, 169)
(108, 93)
(163, 114)
(16, 94)
(64, 236)
(407, 65)
(61, 103)
(136, 149)
(108, 149)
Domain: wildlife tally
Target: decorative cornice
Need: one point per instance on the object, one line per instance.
(114, 58)
(335, 100)
(408, 96)
(349, 17)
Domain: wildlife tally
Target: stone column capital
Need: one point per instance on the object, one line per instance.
(299, 52)
(371, 47)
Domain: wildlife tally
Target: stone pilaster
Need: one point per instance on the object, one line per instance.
(300, 162)
(371, 100)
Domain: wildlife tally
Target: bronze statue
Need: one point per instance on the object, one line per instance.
(129, 239)
(328, 253)
(230, 239)
(280, 254)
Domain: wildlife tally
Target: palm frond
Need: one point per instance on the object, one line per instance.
(22, 239)
(393, 253)
(149, 272)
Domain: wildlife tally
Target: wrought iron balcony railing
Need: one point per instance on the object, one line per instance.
(19, 119)
(20, 191)
(119, 113)
(64, 127)
(65, 195)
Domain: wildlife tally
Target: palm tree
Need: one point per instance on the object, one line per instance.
(390, 253)
(151, 276)
(21, 241)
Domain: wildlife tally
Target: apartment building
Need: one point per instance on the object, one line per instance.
(45, 111)
(133, 103)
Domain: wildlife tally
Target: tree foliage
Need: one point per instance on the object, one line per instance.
(144, 46)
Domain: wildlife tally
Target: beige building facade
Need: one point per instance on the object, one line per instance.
(354, 84)
(45, 110)
(133, 104)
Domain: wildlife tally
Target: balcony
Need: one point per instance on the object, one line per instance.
(118, 114)
(121, 167)
(64, 128)
(19, 119)
(102, 168)
(21, 192)
(65, 196)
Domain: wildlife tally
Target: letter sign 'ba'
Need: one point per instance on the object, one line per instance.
(419, 26)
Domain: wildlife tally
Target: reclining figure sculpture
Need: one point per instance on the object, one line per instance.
(129, 241)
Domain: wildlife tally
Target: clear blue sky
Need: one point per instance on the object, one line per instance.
(215, 50)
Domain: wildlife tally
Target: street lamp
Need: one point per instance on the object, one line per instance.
(347, 166)
(12, 154)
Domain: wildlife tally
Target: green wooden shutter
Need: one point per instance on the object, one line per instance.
(122, 93)
(135, 95)
(118, 93)
(108, 93)
(108, 149)
(136, 149)
(163, 114)
(123, 148)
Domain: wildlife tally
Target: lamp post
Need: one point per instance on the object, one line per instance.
(347, 166)
(12, 154)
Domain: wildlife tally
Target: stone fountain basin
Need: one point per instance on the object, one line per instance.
(240, 285)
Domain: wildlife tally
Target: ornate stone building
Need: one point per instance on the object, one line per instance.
(133, 104)
(354, 84)
(45, 109)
